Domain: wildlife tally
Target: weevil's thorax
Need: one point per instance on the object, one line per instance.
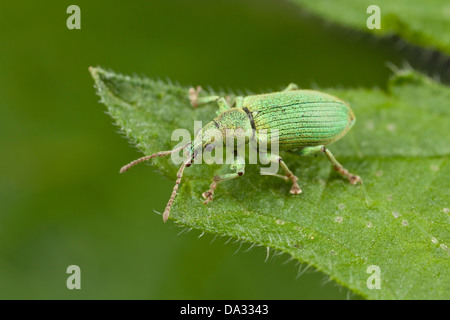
(234, 124)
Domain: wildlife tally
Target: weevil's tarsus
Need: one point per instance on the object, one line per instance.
(175, 189)
(193, 95)
(196, 101)
(289, 175)
(223, 103)
(238, 166)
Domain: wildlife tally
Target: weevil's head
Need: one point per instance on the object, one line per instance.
(209, 137)
(231, 124)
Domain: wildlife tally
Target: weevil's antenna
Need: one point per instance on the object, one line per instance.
(175, 188)
(158, 154)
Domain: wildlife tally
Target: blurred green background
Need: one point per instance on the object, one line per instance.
(62, 199)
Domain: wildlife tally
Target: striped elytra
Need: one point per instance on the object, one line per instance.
(302, 117)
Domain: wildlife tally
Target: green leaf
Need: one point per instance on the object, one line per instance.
(399, 146)
(422, 23)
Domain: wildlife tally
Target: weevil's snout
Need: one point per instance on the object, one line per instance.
(191, 153)
(212, 136)
(205, 139)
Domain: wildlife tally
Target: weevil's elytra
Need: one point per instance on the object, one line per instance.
(306, 122)
(303, 117)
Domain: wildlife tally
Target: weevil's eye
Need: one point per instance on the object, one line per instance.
(209, 147)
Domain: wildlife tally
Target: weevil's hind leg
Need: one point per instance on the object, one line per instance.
(354, 179)
(285, 178)
(291, 87)
(289, 175)
(295, 187)
(307, 151)
(196, 101)
(238, 166)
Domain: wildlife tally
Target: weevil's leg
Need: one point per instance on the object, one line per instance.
(196, 101)
(295, 187)
(193, 95)
(308, 151)
(285, 178)
(291, 86)
(354, 179)
(238, 166)
(238, 101)
(223, 105)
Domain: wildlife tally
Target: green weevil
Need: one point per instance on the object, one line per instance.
(307, 122)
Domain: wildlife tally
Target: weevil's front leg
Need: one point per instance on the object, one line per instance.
(196, 101)
(290, 87)
(289, 175)
(238, 166)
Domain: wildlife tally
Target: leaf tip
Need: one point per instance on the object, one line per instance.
(94, 71)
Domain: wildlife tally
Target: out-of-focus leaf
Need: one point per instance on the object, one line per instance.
(424, 23)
